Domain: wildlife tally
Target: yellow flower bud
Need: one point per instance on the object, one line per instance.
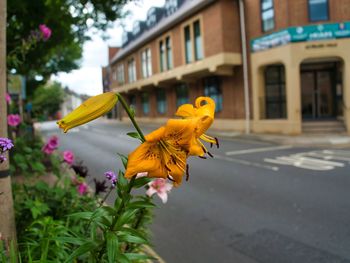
(91, 109)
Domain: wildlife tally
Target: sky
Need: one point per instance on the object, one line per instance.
(88, 79)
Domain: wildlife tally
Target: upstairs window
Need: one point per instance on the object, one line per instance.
(161, 101)
(165, 54)
(146, 63)
(198, 50)
(181, 95)
(318, 10)
(169, 54)
(212, 89)
(267, 15)
(188, 44)
(162, 55)
(120, 74)
(131, 70)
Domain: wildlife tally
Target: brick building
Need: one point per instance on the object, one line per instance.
(276, 66)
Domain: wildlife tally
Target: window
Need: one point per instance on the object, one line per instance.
(162, 55)
(275, 92)
(161, 101)
(145, 103)
(169, 55)
(212, 89)
(198, 51)
(181, 95)
(318, 10)
(193, 42)
(132, 102)
(267, 15)
(188, 45)
(120, 74)
(131, 70)
(146, 62)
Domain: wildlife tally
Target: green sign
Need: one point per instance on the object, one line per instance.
(301, 33)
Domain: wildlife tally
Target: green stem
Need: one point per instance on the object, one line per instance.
(131, 116)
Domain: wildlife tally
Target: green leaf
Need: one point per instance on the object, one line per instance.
(37, 166)
(82, 215)
(71, 240)
(125, 217)
(142, 181)
(123, 259)
(134, 135)
(124, 159)
(141, 204)
(27, 149)
(135, 256)
(112, 247)
(132, 239)
(83, 249)
(122, 182)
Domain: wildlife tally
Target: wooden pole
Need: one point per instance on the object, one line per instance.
(7, 219)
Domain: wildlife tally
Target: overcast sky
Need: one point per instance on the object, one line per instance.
(88, 79)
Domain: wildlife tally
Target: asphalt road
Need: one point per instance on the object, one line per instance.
(253, 202)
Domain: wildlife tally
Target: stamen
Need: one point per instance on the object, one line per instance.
(171, 178)
(211, 145)
(210, 154)
(166, 167)
(187, 173)
(204, 150)
(217, 142)
(202, 157)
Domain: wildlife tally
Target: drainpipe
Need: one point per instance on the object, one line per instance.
(245, 67)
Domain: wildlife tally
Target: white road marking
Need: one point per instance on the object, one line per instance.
(313, 160)
(262, 149)
(244, 162)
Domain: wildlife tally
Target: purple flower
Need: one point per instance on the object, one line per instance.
(51, 145)
(111, 176)
(45, 31)
(82, 188)
(2, 158)
(68, 157)
(5, 144)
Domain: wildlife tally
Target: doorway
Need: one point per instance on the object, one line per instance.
(319, 91)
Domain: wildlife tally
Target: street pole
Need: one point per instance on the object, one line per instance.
(7, 218)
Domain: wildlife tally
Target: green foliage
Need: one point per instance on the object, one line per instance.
(47, 100)
(69, 20)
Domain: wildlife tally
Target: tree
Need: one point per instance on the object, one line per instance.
(47, 100)
(69, 20)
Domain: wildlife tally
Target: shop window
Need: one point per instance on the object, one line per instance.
(318, 10)
(181, 95)
(161, 101)
(132, 102)
(267, 15)
(145, 103)
(212, 89)
(146, 63)
(275, 92)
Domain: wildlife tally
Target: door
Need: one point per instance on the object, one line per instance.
(317, 94)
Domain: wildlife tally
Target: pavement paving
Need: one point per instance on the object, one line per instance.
(255, 201)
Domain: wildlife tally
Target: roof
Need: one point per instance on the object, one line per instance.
(187, 9)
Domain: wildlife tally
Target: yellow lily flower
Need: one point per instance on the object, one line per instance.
(187, 111)
(91, 109)
(164, 153)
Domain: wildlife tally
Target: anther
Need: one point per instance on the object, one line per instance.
(204, 150)
(217, 142)
(171, 178)
(211, 145)
(210, 154)
(202, 157)
(167, 168)
(187, 173)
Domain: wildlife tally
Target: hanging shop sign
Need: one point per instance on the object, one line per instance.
(301, 34)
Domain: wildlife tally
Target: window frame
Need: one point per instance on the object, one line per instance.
(317, 20)
(120, 73)
(216, 80)
(158, 92)
(146, 62)
(177, 88)
(163, 59)
(190, 23)
(143, 95)
(134, 73)
(261, 16)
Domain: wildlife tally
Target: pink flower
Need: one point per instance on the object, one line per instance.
(8, 98)
(68, 157)
(161, 187)
(82, 188)
(45, 32)
(51, 145)
(13, 120)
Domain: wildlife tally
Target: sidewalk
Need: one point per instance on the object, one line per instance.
(315, 140)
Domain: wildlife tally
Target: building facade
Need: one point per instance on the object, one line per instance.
(271, 66)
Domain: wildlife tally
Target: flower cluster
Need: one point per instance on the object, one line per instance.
(51, 145)
(45, 32)
(5, 145)
(13, 120)
(68, 157)
(112, 177)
